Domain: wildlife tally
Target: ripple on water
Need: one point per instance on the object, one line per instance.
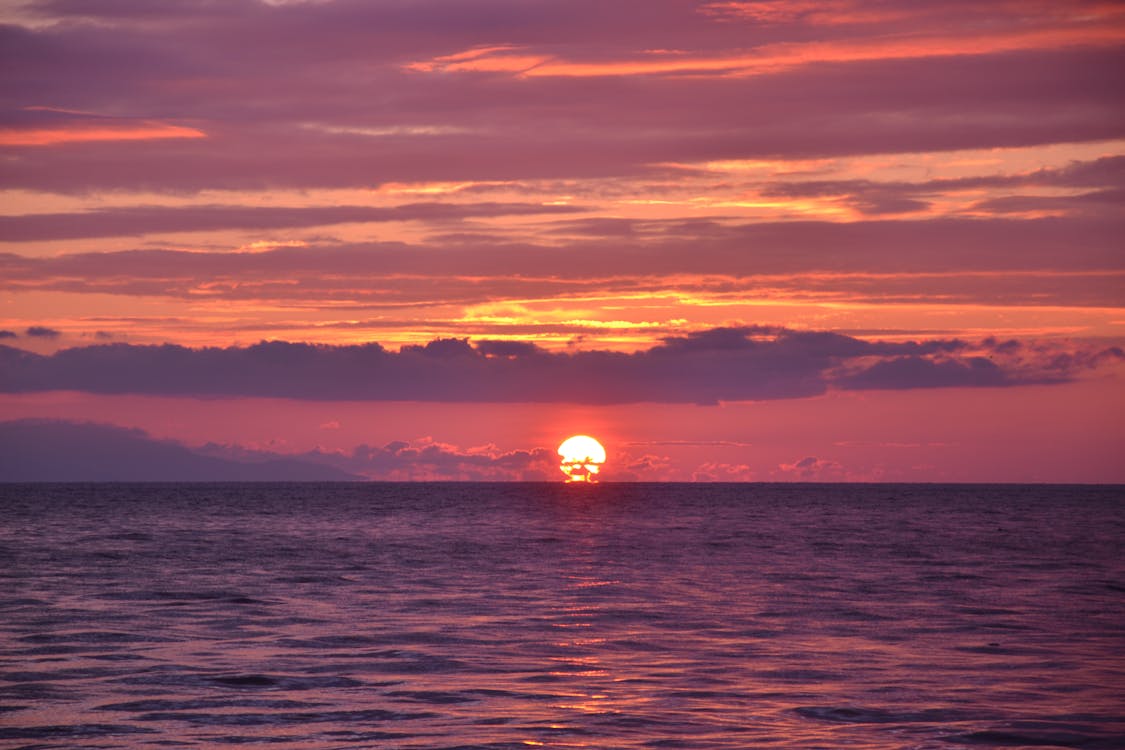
(853, 715)
(1013, 738)
(185, 677)
(70, 732)
(437, 697)
(204, 703)
(410, 617)
(344, 718)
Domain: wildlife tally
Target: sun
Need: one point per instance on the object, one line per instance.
(582, 458)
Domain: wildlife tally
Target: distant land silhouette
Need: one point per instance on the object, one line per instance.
(35, 450)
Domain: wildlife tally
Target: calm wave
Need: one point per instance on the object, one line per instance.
(601, 616)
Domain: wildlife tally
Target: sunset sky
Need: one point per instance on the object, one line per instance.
(421, 239)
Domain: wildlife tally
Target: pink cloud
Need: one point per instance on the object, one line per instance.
(139, 220)
(1039, 76)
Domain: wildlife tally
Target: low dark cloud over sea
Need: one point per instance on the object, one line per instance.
(429, 616)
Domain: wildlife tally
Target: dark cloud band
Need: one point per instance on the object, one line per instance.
(725, 364)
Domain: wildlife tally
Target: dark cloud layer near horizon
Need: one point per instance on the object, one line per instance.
(37, 450)
(723, 364)
(47, 450)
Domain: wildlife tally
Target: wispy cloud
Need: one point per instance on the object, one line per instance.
(139, 220)
(774, 58)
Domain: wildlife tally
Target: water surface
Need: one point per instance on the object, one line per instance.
(431, 616)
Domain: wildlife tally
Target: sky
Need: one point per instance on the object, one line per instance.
(772, 240)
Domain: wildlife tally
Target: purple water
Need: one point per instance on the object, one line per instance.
(560, 616)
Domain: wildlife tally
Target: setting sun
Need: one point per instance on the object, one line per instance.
(582, 458)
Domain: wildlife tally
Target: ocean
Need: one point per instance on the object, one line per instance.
(498, 616)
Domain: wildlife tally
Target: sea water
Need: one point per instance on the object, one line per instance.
(535, 615)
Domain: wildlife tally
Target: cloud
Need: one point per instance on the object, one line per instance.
(921, 372)
(813, 469)
(42, 332)
(1044, 261)
(139, 220)
(56, 451)
(507, 348)
(923, 78)
(719, 471)
(1095, 201)
(95, 130)
(692, 443)
(431, 460)
(1102, 181)
(112, 102)
(1000, 363)
(420, 460)
(8, 335)
(766, 59)
(37, 450)
(733, 364)
(1065, 365)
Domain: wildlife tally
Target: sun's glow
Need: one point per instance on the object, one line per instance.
(582, 458)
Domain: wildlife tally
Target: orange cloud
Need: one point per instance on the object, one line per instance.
(815, 12)
(775, 57)
(96, 131)
(498, 59)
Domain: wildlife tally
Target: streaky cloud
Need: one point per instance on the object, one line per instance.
(139, 220)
